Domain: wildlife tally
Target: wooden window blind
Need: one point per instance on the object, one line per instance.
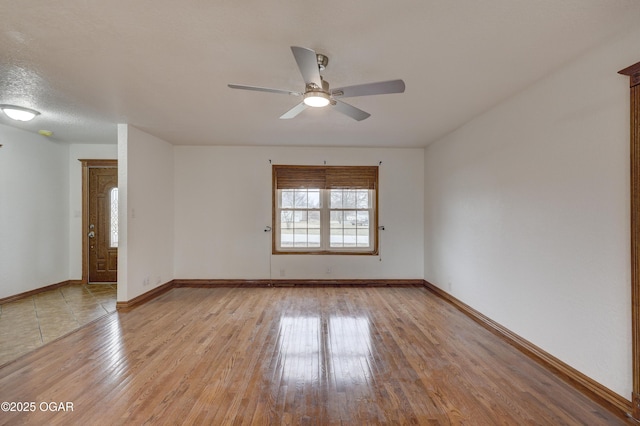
(325, 177)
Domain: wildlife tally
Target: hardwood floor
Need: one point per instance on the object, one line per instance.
(291, 356)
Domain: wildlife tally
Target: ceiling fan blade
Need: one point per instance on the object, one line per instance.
(368, 89)
(264, 89)
(308, 64)
(294, 111)
(350, 110)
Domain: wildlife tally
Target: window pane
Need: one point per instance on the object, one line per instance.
(336, 199)
(349, 199)
(314, 219)
(114, 218)
(362, 219)
(300, 237)
(286, 228)
(286, 198)
(350, 217)
(286, 217)
(362, 199)
(300, 200)
(362, 237)
(314, 198)
(337, 219)
(349, 237)
(314, 237)
(300, 216)
(286, 238)
(336, 238)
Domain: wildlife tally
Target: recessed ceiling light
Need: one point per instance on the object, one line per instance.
(19, 113)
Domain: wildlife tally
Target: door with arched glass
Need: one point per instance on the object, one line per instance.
(102, 229)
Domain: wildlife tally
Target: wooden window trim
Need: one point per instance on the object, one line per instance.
(324, 177)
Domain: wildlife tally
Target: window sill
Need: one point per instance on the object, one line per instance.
(327, 252)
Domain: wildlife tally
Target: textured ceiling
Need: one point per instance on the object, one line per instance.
(163, 66)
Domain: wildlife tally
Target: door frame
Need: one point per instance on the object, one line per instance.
(633, 72)
(86, 165)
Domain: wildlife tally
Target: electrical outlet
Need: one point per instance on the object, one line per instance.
(328, 270)
(282, 272)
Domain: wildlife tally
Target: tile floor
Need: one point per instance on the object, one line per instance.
(33, 321)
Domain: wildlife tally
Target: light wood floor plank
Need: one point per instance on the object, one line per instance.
(266, 356)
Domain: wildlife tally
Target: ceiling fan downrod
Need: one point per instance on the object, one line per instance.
(323, 60)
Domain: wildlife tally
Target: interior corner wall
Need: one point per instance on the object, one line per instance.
(146, 217)
(78, 152)
(34, 210)
(223, 204)
(527, 214)
(123, 209)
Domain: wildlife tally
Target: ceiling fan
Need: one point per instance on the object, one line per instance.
(317, 93)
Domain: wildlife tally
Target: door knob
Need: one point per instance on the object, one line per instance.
(92, 234)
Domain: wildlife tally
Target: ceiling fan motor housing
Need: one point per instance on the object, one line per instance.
(312, 87)
(317, 97)
(323, 60)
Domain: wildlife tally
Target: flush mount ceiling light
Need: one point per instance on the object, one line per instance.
(19, 113)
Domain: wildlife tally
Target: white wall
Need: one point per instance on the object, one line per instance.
(223, 203)
(527, 214)
(77, 152)
(34, 210)
(146, 218)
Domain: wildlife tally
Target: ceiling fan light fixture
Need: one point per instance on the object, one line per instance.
(19, 113)
(316, 99)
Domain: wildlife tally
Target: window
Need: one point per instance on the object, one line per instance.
(325, 209)
(113, 210)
